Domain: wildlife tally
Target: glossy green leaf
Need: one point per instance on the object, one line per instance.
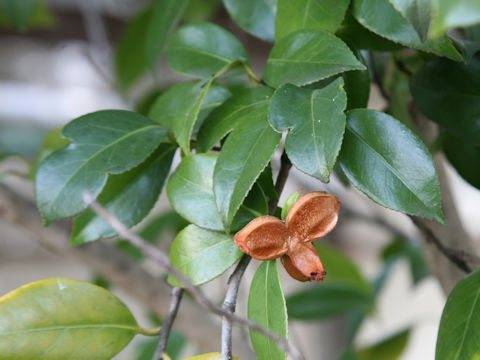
(343, 290)
(179, 108)
(209, 356)
(459, 326)
(417, 12)
(309, 14)
(52, 141)
(266, 306)
(63, 319)
(255, 16)
(104, 142)
(202, 255)
(305, 56)
(165, 16)
(391, 348)
(387, 162)
(450, 14)
(316, 122)
(190, 191)
(465, 158)
(397, 28)
(129, 196)
(18, 13)
(200, 50)
(254, 205)
(130, 58)
(244, 155)
(448, 92)
(265, 180)
(246, 103)
(359, 37)
(288, 204)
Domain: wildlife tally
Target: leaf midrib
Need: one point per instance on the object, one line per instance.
(97, 153)
(467, 325)
(70, 327)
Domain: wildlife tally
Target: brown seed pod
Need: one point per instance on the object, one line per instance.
(312, 216)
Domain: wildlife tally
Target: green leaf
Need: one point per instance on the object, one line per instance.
(417, 12)
(246, 103)
(165, 16)
(387, 162)
(129, 196)
(459, 325)
(359, 37)
(343, 290)
(190, 191)
(390, 348)
(387, 22)
(266, 306)
(288, 204)
(316, 122)
(63, 319)
(202, 255)
(255, 16)
(209, 356)
(200, 50)
(308, 14)
(464, 158)
(448, 93)
(52, 141)
(103, 142)
(179, 108)
(18, 13)
(255, 205)
(200, 11)
(450, 14)
(130, 58)
(265, 180)
(244, 155)
(306, 56)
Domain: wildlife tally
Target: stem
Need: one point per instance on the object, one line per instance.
(230, 301)
(229, 305)
(175, 299)
(251, 75)
(163, 261)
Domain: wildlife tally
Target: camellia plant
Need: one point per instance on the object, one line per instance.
(225, 123)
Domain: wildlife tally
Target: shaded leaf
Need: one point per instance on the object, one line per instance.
(397, 28)
(129, 196)
(104, 142)
(465, 158)
(459, 325)
(316, 122)
(387, 162)
(165, 16)
(390, 348)
(343, 290)
(200, 50)
(202, 255)
(448, 92)
(417, 12)
(200, 11)
(308, 14)
(255, 205)
(63, 318)
(18, 13)
(246, 103)
(244, 155)
(266, 306)
(190, 191)
(179, 108)
(306, 56)
(448, 14)
(130, 58)
(265, 180)
(255, 16)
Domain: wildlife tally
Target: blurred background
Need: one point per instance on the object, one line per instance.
(60, 64)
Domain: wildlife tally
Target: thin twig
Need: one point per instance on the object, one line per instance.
(230, 301)
(458, 257)
(175, 299)
(163, 261)
(229, 305)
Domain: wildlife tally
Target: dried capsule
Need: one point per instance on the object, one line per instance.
(312, 216)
